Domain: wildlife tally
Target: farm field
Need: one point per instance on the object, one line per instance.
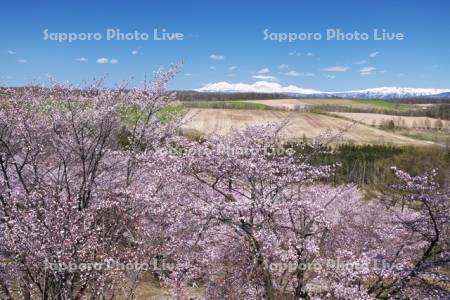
(300, 125)
(280, 103)
(377, 119)
(228, 105)
(362, 104)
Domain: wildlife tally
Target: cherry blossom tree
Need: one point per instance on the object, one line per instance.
(254, 221)
(423, 252)
(252, 215)
(68, 192)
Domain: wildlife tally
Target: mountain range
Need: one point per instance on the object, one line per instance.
(295, 91)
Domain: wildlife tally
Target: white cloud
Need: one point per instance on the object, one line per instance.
(263, 71)
(134, 52)
(216, 57)
(102, 60)
(292, 53)
(22, 61)
(331, 76)
(366, 71)
(212, 68)
(11, 52)
(309, 54)
(283, 66)
(373, 54)
(81, 59)
(265, 77)
(293, 73)
(232, 68)
(298, 74)
(336, 69)
(360, 62)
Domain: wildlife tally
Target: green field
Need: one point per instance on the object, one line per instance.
(165, 115)
(227, 105)
(335, 103)
(388, 105)
(358, 104)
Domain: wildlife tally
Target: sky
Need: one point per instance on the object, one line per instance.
(225, 41)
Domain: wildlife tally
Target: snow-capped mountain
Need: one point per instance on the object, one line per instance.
(440, 96)
(292, 90)
(390, 93)
(257, 87)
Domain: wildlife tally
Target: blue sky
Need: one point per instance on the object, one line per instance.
(231, 31)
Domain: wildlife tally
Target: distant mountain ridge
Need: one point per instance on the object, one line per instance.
(390, 93)
(257, 87)
(440, 96)
(292, 90)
